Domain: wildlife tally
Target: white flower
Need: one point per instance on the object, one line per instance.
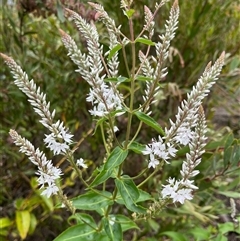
(176, 191)
(153, 162)
(184, 135)
(50, 190)
(181, 195)
(80, 163)
(56, 146)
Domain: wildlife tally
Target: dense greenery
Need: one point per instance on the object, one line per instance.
(30, 35)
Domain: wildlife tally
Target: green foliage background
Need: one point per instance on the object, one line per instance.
(29, 33)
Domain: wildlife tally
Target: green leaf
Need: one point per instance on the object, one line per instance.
(102, 177)
(5, 222)
(129, 13)
(137, 147)
(226, 227)
(200, 234)
(175, 236)
(23, 222)
(114, 50)
(116, 157)
(82, 218)
(143, 78)
(113, 228)
(228, 154)
(145, 41)
(129, 194)
(229, 140)
(119, 79)
(126, 223)
(33, 223)
(93, 201)
(230, 194)
(150, 122)
(78, 232)
(60, 13)
(144, 196)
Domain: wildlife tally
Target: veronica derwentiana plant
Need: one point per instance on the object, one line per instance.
(100, 71)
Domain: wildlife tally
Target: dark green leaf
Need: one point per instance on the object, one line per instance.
(82, 218)
(117, 156)
(129, 194)
(150, 122)
(78, 232)
(112, 228)
(93, 201)
(102, 177)
(229, 140)
(126, 223)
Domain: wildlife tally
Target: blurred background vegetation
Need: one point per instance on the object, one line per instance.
(29, 34)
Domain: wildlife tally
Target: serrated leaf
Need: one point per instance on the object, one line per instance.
(112, 229)
(23, 222)
(129, 194)
(145, 41)
(149, 121)
(93, 201)
(78, 232)
(114, 50)
(175, 236)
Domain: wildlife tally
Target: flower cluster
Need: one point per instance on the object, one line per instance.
(48, 174)
(59, 140)
(104, 98)
(159, 150)
(181, 190)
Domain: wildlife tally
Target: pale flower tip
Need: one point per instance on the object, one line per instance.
(69, 12)
(208, 65)
(222, 57)
(6, 58)
(175, 4)
(63, 34)
(201, 110)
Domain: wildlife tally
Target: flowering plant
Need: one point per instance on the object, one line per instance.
(100, 70)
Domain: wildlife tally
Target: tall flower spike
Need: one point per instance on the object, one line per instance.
(181, 190)
(58, 141)
(48, 174)
(186, 116)
(113, 32)
(162, 49)
(103, 97)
